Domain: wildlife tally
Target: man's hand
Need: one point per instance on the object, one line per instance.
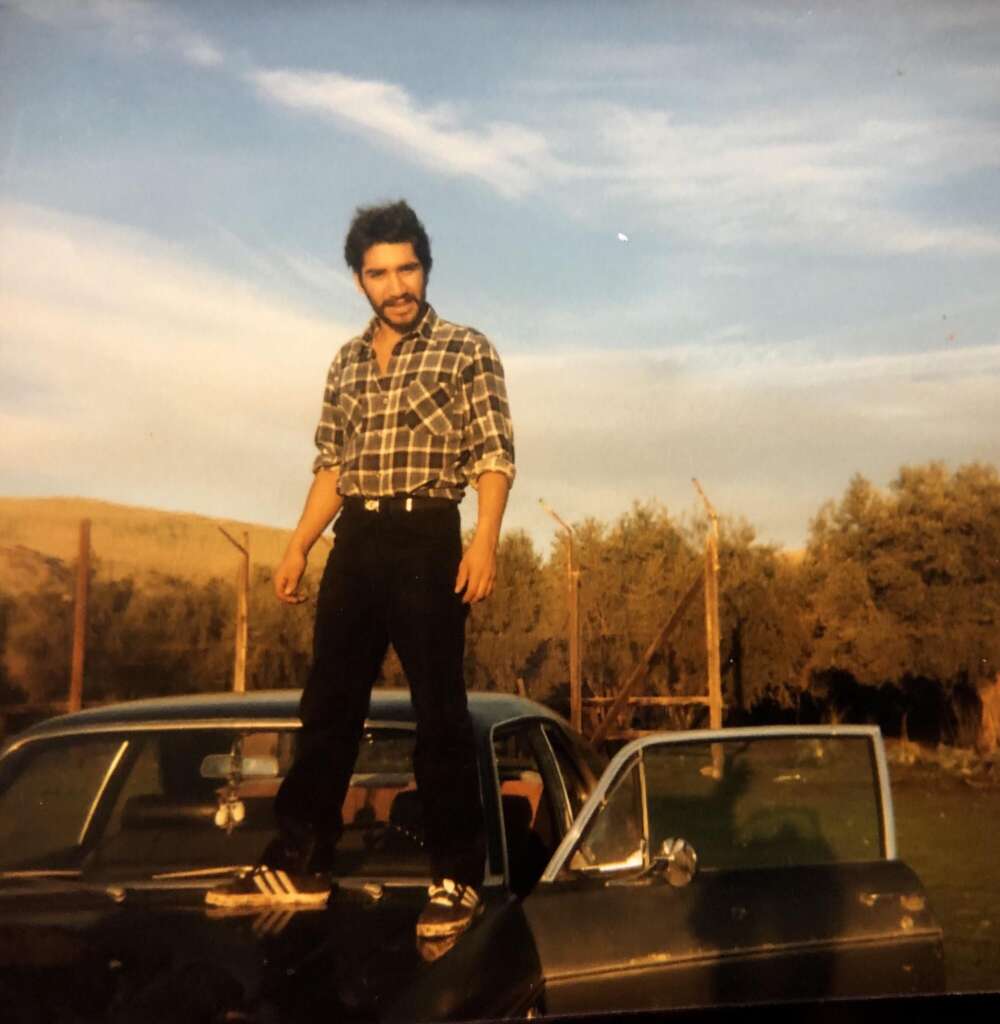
(288, 575)
(477, 572)
(322, 504)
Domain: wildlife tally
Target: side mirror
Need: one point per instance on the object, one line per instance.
(225, 766)
(678, 861)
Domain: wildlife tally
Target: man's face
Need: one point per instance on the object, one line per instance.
(393, 281)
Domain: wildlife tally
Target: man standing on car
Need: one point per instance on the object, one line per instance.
(415, 409)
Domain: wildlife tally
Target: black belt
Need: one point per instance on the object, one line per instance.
(395, 503)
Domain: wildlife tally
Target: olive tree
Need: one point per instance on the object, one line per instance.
(905, 584)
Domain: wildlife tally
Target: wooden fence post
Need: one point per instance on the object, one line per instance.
(242, 626)
(573, 602)
(712, 638)
(80, 619)
(575, 682)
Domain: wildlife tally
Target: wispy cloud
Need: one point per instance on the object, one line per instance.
(830, 177)
(770, 437)
(134, 26)
(133, 372)
(972, 15)
(315, 272)
(776, 146)
(511, 158)
(889, 18)
(770, 123)
(281, 266)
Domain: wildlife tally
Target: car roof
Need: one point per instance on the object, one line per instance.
(486, 709)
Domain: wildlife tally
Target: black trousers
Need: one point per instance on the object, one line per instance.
(390, 578)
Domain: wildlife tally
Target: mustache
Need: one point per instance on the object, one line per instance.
(400, 300)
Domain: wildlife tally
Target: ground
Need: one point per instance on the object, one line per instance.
(947, 832)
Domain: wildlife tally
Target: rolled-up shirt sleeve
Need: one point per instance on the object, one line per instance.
(329, 436)
(490, 430)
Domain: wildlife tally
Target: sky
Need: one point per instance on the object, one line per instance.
(756, 243)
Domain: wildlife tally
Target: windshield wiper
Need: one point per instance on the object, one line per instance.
(40, 873)
(229, 869)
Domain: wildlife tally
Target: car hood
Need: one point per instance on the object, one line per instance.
(96, 952)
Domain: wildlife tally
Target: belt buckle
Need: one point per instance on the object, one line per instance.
(371, 504)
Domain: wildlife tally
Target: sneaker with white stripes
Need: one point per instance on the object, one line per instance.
(271, 887)
(450, 909)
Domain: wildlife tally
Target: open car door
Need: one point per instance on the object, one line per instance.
(734, 866)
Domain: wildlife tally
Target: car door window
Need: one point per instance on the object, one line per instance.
(742, 801)
(532, 814)
(576, 787)
(615, 837)
(766, 802)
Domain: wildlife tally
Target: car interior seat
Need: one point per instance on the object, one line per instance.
(527, 854)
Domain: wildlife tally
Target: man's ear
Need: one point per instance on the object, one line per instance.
(357, 283)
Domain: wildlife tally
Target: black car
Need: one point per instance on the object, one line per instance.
(697, 868)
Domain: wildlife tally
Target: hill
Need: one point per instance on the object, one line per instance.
(127, 541)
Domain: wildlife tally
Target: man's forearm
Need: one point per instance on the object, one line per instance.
(322, 504)
(493, 488)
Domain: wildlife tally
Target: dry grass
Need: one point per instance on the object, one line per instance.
(130, 541)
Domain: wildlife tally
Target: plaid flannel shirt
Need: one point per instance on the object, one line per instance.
(431, 426)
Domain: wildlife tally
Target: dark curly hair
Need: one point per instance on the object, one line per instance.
(390, 222)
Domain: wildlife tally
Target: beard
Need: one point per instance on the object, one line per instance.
(384, 311)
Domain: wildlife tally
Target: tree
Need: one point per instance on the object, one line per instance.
(632, 575)
(504, 642)
(764, 635)
(279, 647)
(39, 640)
(161, 636)
(10, 692)
(905, 586)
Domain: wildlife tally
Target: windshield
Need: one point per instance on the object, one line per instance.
(149, 804)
